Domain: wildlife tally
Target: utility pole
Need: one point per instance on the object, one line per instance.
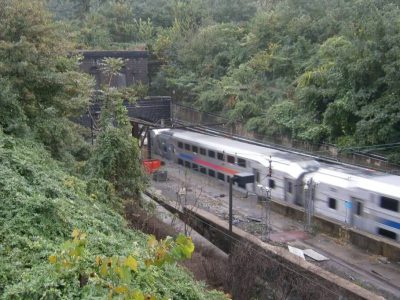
(230, 205)
(309, 189)
(266, 220)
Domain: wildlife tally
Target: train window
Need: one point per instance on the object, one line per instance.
(387, 233)
(195, 167)
(187, 147)
(241, 162)
(358, 208)
(211, 153)
(332, 203)
(211, 173)
(220, 156)
(228, 178)
(230, 159)
(202, 151)
(180, 145)
(242, 185)
(187, 164)
(289, 187)
(203, 170)
(389, 203)
(271, 183)
(195, 149)
(221, 176)
(180, 162)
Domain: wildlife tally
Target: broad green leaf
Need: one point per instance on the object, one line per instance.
(186, 245)
(131, 263)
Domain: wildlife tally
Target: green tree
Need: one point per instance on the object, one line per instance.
(116, 156)
(40, 76)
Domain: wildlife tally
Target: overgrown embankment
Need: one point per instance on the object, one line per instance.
(41, 204)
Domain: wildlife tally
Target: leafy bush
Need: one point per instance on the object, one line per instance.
(115, 158)
(116, 155)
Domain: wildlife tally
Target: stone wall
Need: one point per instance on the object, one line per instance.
(135, 69)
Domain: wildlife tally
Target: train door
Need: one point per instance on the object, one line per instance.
(170, 150)
(256, 179)
(166, 148)
(357, 211)
(289, 190)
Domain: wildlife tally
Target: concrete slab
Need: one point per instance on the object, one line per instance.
(296, 251)
(315, 255)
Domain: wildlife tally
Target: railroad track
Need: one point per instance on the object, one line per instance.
(379, 281)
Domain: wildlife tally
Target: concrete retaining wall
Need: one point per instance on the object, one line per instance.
(366, 241)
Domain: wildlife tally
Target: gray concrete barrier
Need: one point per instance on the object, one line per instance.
(363, 240)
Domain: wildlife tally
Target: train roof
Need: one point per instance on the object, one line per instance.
(349, 176)
(290, 163)
(388, 185)
(331, 178)
(227, 145)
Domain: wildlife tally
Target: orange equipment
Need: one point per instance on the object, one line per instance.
(152, 165)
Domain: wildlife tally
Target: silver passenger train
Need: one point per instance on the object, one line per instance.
(367, 200)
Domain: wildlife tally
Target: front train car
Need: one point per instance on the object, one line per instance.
(220, 158)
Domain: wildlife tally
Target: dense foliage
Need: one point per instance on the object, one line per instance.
(41, 205)
(321, 71)
(53, 183)
(42, 85)
(314, 70)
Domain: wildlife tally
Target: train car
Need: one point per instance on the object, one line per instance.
(331, 192)
(221, 158)
(364, 199)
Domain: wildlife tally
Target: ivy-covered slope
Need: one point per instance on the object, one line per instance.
(40, 205)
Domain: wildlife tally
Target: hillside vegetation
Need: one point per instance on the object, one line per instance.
(315, 70)
(320, 71)
(62, 230)
(41, 205)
